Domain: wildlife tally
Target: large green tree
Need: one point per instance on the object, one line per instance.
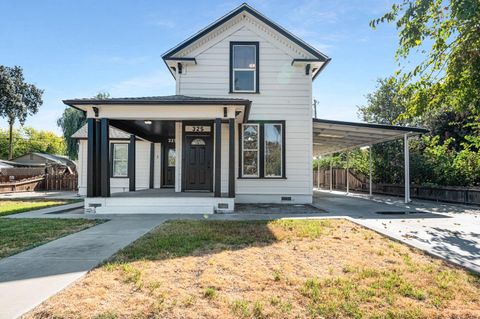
(18, 99)
(445, 37)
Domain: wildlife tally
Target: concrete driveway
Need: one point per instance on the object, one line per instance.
(448, 231)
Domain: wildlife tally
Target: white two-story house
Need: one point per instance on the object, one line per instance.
(239, 128)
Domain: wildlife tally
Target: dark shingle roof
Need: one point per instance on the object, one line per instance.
(169, 99)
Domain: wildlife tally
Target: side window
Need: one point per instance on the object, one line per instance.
(119, 160)
(273, 150)
(250, 150)
(263, 150)
(243, 67)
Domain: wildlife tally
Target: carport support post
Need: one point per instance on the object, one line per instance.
(370, 173)
(331, 173)
(406, 152)
(104, 155)
(348, 177)
(318, 172)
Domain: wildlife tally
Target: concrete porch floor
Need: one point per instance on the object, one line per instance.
(164, 192)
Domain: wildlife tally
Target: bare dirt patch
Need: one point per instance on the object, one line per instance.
(277, 269)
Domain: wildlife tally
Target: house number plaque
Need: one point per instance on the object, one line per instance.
(197, 129)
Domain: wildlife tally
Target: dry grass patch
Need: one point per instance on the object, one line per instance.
(277, 269)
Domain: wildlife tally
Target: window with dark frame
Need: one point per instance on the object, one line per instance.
(120, 160)
(263, 150)
(244, 67)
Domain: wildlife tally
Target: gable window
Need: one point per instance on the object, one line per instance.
(120, 160)
(244, 67)
(263, 150)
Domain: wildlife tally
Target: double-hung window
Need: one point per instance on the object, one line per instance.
(263, 150)
(250, 150)
(120, 160)
(244, 67)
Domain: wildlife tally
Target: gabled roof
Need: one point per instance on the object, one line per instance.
(115, 133)
(58, 159)
(169, 99)
(319, 56)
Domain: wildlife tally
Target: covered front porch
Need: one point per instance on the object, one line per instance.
(176, 154)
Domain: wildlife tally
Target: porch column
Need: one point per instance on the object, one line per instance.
(231, 158)
(218, 156)
(98, 158)
(131, 164)
(104, 158)
(91, 157)
(406, 152)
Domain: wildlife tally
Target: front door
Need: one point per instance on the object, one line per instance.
(198, 163)
(169, 161)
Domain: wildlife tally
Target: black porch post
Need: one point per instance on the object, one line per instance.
(131, 163)
(218, 156)
(104, 158)
(231, 158)
(91, 157)
(98, 159)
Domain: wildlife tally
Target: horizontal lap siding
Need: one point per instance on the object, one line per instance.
(285, 94)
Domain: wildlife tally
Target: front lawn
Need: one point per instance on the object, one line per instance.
(277, 269)
(15, 206)
(17, 235)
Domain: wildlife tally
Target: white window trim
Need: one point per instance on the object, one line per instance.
(254, 90)
(117, 160)
(250, 149)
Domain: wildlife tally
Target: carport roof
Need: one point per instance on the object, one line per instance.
(335, 136)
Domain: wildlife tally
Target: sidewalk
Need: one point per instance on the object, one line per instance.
(30, 277)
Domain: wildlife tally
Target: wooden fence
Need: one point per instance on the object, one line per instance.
(359, 183)
(41, 182)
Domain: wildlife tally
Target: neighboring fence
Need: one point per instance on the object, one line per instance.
(41, 182)
(359, 183)
(61, 182)
(30, 184)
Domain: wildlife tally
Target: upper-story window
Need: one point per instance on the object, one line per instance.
(244, 67)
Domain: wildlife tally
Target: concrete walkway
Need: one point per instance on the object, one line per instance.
(30, 277)
(448, 231)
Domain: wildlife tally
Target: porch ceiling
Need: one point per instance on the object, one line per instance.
(157, 131)
(336, 136)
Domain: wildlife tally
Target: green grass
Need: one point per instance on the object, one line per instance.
(182, 238)
(15, 206)
(17, 235)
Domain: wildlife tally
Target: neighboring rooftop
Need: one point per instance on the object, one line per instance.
(115, 133)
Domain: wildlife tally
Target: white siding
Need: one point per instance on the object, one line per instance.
(142, 168)
(285, 94)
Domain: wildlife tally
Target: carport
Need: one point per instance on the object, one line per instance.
(330, 137)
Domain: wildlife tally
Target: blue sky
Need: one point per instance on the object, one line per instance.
(79, 48)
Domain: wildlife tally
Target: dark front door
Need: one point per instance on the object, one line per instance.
(198, 163)
(169, 160)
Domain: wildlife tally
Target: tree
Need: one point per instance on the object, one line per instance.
(28, 140)
(447, 35)
(18, 99)
(71, 121)
(385, 105)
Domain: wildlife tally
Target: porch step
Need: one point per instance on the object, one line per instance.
(158, 205)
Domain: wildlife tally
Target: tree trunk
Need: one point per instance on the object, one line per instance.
(10, 141)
